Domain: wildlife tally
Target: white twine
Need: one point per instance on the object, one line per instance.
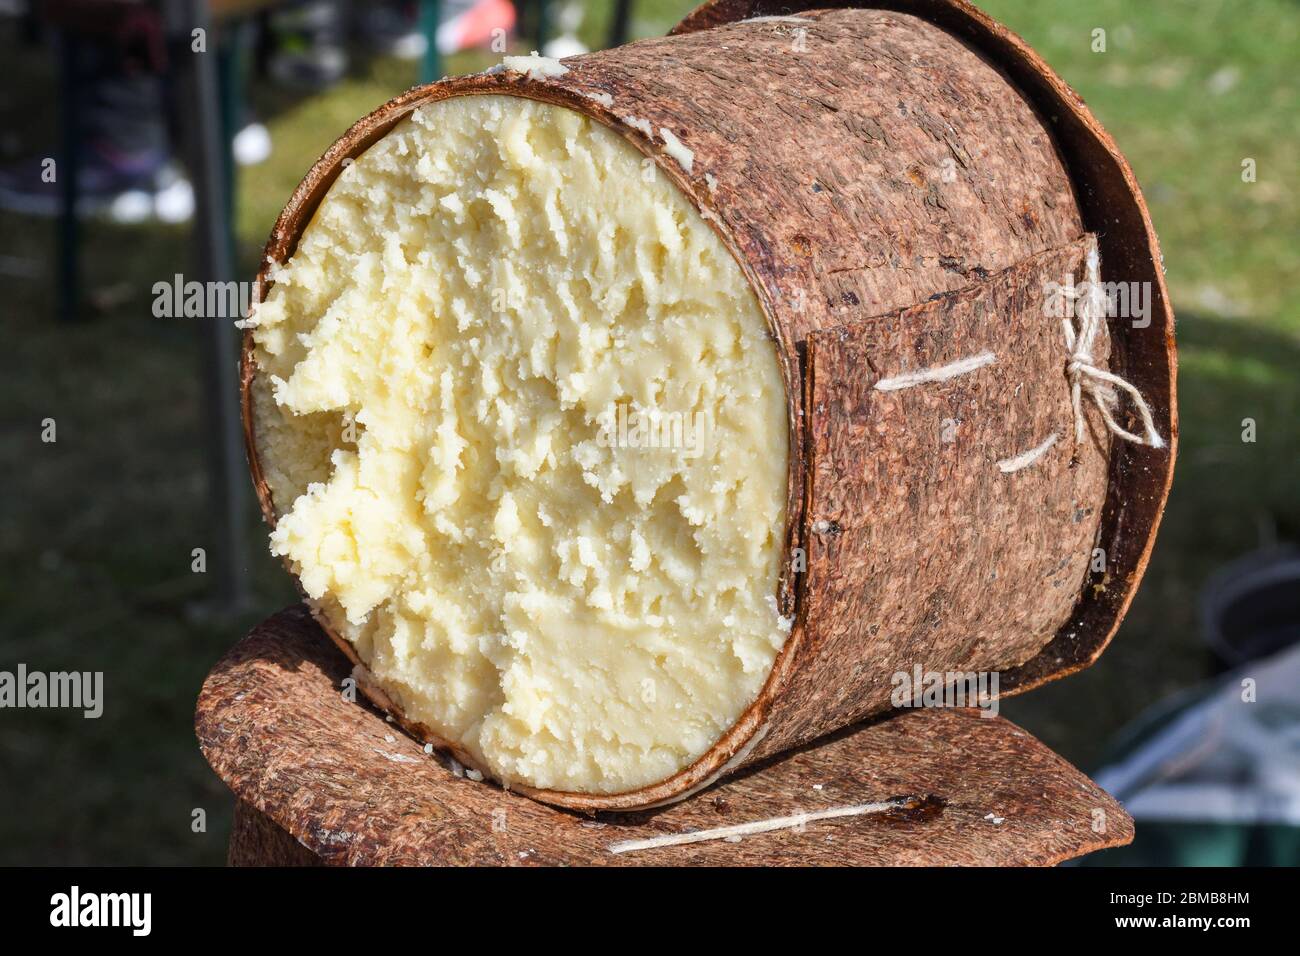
(938, 373)
(757, 826)
(1025, 459)
(1084, 375)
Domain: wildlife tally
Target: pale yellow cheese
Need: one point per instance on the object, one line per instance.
(525, 432)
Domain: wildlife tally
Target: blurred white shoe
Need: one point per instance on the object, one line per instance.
(567, 43)
(174, 202)
(251, 145)
(130, 208)
(563, 46)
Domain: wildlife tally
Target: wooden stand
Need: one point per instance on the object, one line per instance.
(320, 778)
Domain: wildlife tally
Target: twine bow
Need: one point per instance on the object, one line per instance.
(1084, 376)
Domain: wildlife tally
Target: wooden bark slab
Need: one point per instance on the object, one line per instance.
(257, 840)
(349, 787)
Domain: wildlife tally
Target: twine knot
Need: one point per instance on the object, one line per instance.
(1085, 377)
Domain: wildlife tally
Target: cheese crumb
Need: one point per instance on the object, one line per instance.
(537, 67)
(678, 150)
(640, 125)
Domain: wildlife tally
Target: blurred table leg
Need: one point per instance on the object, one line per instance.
(431, 63)
(208, 146)
(68, 275)
(619, 24)
(543, 27)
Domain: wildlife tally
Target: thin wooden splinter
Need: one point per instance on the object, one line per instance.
(761, 826)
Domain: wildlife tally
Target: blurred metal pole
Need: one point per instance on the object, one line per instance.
(618, 26)
(67, 172)
(543, 28)
(208, 145)
(431, 62)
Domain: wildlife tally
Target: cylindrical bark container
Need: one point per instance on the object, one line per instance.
(900, 183)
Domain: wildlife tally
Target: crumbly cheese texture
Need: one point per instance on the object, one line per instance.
(525, 433)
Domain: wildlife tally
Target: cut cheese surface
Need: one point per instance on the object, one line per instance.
(525, 433)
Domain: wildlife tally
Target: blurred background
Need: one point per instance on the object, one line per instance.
(126, 159)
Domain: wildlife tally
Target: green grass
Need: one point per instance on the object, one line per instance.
(1190, 88)
(96, 530)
